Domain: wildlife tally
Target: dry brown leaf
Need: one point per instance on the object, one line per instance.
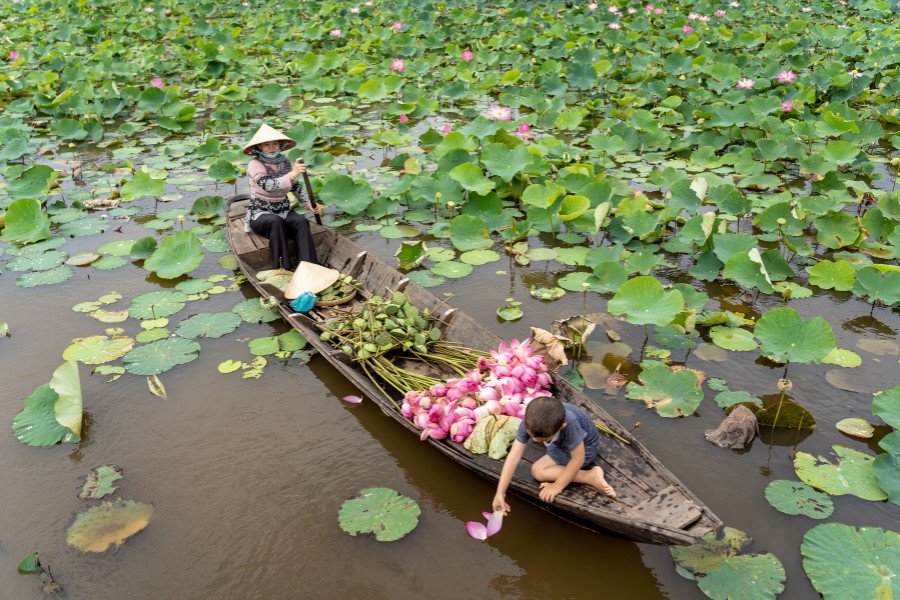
(551, 347)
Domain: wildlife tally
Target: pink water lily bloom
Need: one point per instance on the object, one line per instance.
(787, 106)
(398, 65)
(786, 77)
(614, 25)
(446, 129)
(157, 82)
(335, 33)
(703, 19)
(720, 13)
(687, 29)
(613, 9)
(13, 55)
(467, 55)
(148, 9)
(649, 7)
(592, 6)
(498, 113)
(524, 132)
(692, 16)
(354, 10)
(404, 119)
(745, 84)
(396, 25)
(658, 11)
(806, 9)
(352, 399)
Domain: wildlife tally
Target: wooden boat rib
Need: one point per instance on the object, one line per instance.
(652, 504)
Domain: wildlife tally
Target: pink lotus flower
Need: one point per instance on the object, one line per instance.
(13, 55)
(480, 531)
(787, 106)
(703, 19)
(404, 119)
(649, 7)
(592, 6)
(352, 399)
(692, 16)
(720, 13)
(524, 132)
(786, 77)
(687, 29)
(631, 10)
(446, 129)
(398, 65)
(745, 84)
(354, 10)
(396, 25)
(335, 33)
(613, 9)
(614, 25)
(148, 9)
(157, 82)
(467, 55)
(368, 3)
(658, 11)
(806, 9)
(498, 113)
(734, 4)
(856, 74)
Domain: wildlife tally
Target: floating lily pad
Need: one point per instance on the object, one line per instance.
(108, 525)
(178, 254)
(510, 313)
(110, 316)
(117, 248)
(193, 286)
(154, 305)
(797, 498)
(152, 334)
(100, 482)
(84, 227)
(252, 311)
(82, 259)
(98, 349)
(411, 254)
(160, 356)
(263, 346)
(381, 512)
(728, 398)
(42, 261)
(887, 466)
(55, 275)
(732, 338)
(31, 565)
(856, 427)
(644, 302)
(211, 325)
(842, 358)
(843, 561)
(849, 381)
(787, 337)
(886, 404)
(116, 372)
(108, 263)
(393, 232)
(229, 366)
(451, 269)
(479, 257)
(878, 347)
(852, 474)
(426, 279)
(547, 293)
(671, 393)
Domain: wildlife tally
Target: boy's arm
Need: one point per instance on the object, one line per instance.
(549, 491)
(506, 475)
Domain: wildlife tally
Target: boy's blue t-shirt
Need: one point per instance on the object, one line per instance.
(579, 428)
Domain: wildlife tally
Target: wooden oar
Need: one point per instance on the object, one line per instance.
(312, 197)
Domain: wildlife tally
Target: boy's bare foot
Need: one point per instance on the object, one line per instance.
(597, 480)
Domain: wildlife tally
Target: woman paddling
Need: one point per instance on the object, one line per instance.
(272, 176)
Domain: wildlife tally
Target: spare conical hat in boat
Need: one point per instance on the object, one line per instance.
(312, 278)
(269, 134)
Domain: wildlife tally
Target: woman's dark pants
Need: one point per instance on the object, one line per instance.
(279, 231)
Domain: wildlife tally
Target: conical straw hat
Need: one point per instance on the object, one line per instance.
(269, 134)
(312, 278)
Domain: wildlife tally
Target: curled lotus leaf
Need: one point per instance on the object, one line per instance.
(547, 293)
(797, 498)
(100, 482)
(510, 313)
(843, 561)
(411, 254)
(851, 474)
(108, 525)
(31, 565)
(381, 512)
(25, 222)
(36, 425)
(160, 356)
(886, 404)
(887, 466)
(98, 349)
(154, 305)
(82, 259)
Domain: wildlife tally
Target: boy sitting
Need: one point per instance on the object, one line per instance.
(572, 443)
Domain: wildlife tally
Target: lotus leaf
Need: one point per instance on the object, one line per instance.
(852, 474)
(748, 269)
(152, 334)
(178, 254)
(84, 227)
(381, 512)
(757, 577)
(347, 194)
(451, 269)
(252, 311)
(479, 257)
(886, 404)
(193, 286)
(856, 427)
(493, 436)
(291, 341)
(108, 525)
(837, 230)
(887, 466)
(25, 222)
(728, 398)
(879, 282)
(879, 347)
(732, 338)
(156, 387)
(211, 325)
(671, 393)
(426, 279)
(547, 293)
(711, 551)
(143, 184)
(213, 243)
(786, 337)
(107, 263)
(797, 498)
(504, 162)
(33, 182)
(510, 313)
(469, 233)
(839, 275)
(143, 248)
(263, 346)
(438, 254)
(155, 305)
(208, 207)
(36, 425)
(98, 349)
(471, 177)
(117, 248)
(843, 358)
(411, 254)
(30, 565)
(100, 482)
(43, 261)
(787, 414)
(229, 366)
(160, 356)
(82, 259)
(643, 301)
(843, 561)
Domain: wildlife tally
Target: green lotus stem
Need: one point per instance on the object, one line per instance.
(606, 429)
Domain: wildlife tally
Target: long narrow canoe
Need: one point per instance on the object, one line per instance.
(652, 504)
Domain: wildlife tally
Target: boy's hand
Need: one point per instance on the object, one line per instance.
(500, 504)
(549, 492)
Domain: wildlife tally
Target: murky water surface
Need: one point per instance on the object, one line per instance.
(247, 476)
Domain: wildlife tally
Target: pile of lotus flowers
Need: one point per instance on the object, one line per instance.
(503, 384)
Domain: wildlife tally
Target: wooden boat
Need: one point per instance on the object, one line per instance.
(652, 504)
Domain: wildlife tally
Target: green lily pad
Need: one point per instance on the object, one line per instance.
(887, 466)
(797, 498)
(229, 366)
(36, 425)
(671, 393)
(856, 427)
(411, 254)
(210, 325)
(142, 185)
(109, 316)
(160, 356)
(438, 254)
(152, 334)
(98, 349)
(786, 414)
(117, 248)
(786, 337)
(108, 524)
(25, 222)
(886, 404)
(842, 358)
(547, 293)
(42, 261)
(479, 257)
(154, 305)
(143, 248)
(732, 338)
(108, 263)
(843, 561)
(264, 346)
(469, 233)
(84, 227)
(381, 512)
(393, 232)
(728, 398)
(49, 277)
(510, 313)
(451, 269)
(346, 194)
(426, 279)
(643, 301)
(30, 565)
(839, 275)
(879, 282)
(852, 474)
(252, 311)
(193, 286)
(178, 254)
(100, 482)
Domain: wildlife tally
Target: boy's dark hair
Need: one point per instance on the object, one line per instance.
(544, 416)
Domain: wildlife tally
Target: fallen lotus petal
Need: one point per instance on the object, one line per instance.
(494, 523)
(477, 530)
(352, 399)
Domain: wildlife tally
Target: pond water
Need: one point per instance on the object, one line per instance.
(247, 475)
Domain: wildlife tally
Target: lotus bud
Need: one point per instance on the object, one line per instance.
(488, 393)
(494, 407)
(469, 402)
(425, 403)
(439, 390)
(481, 412)
(406, 410)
